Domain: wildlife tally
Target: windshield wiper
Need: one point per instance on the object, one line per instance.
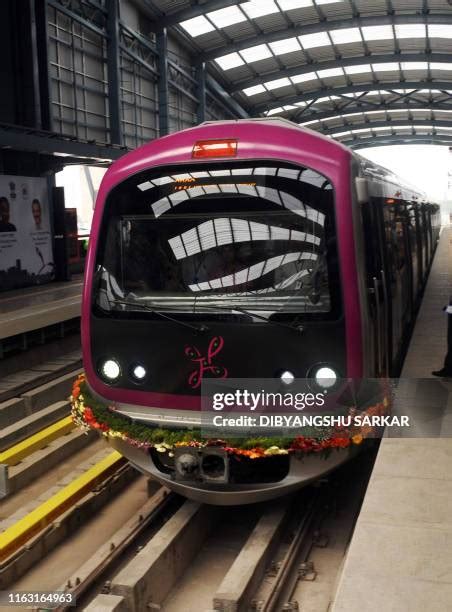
(252, 315)
(159, 313)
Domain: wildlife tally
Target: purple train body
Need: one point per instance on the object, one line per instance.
(211, 245)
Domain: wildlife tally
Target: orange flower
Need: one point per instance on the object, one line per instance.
(76, 392)
(357, 439)
(88, 414)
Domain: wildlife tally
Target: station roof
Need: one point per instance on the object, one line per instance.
(356, 70)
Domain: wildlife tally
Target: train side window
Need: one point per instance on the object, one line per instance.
(371, 243)
(395, 237)
(412, 232)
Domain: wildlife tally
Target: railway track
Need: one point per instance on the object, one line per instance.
(112, 539)
(179, 556)
(51, 473)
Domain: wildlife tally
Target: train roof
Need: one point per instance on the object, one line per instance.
(375, 172)
(177, 147)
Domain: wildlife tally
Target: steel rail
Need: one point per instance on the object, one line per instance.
(287, 577)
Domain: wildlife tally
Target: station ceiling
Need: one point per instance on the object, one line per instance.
(356, 70)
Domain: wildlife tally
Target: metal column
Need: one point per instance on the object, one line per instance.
(163, 92)
(201, 91)
(113, 71)
(42, 41)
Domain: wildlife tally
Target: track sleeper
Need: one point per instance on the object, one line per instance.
(291, 606)
(306, 571)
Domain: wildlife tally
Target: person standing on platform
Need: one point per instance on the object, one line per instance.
(446, 371)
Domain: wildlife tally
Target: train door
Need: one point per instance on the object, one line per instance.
(376, 287)
(415, 250)
(423, 236)
(428, 214)
(398, 276)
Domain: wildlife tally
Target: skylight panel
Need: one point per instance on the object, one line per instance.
(284, 82)
(254, 54)
(231, 60)
(319, 2)
(382, 32)
(410, 30)
(386, 66)
(309, 122)
(441, 66)
(440, 30)
(259, 8)
(289, 107)
(357, 69)
(287, 45)
(302, 78)
(319, 39)
(346, 35)
(337, 134)
(227, 16)
(329, 72)
(302, 103)
(414, 65)
(197, 26)
(252, 91)
(275, 111)
(288, 5)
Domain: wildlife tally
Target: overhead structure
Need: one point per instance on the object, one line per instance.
(356, 70)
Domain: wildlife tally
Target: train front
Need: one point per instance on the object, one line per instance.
(216, 254)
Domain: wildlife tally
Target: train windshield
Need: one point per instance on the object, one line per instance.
(218, 238)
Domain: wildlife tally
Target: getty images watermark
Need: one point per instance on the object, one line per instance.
(269, 407)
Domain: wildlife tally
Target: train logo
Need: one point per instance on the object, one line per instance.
(204, 364)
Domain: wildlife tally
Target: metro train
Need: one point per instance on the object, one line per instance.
(251, 249)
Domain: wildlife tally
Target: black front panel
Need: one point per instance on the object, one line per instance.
(176, 359)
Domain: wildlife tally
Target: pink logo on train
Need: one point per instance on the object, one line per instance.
(205, 363)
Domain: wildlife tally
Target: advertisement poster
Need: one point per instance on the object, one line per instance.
(26, 255)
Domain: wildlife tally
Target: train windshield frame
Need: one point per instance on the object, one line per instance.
(220, 239)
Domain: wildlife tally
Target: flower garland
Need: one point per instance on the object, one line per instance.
(89, 413)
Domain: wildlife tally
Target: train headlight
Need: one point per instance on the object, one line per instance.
(325, 377)
(287, 377)
(139, 372)
(110, 369)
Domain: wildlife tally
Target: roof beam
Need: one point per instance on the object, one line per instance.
(24, 139)
(337, 24)
(415, 123)
(384, 141)
(340, 91)
(344, 62)
(352, 110)
(190, 12)
(218, 92)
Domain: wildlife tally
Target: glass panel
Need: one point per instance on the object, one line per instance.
(237, 236)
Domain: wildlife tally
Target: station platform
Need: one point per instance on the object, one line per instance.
(34, 308)
(400, 556)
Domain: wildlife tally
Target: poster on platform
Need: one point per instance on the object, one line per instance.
(26, 254)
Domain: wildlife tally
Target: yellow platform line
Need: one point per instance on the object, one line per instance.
(19, 451)
(42, 516)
